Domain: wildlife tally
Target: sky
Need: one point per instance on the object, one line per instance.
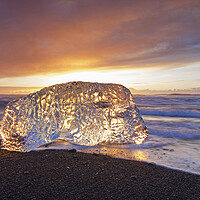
(141, 44)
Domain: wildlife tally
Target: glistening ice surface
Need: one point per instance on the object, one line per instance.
(79, 112)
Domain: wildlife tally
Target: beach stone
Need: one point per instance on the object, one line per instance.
(151, 163)
(133, 177)
(72, 150)
(82, 113)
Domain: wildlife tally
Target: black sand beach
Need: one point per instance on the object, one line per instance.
(62, 174)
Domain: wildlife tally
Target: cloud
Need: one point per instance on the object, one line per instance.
(18, 90)
(47, 36)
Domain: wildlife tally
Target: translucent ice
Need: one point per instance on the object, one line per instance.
(79, 112)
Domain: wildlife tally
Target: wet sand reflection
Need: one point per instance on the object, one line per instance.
(119, 152)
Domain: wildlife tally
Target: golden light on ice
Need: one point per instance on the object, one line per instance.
(83, 113)
(139, 140)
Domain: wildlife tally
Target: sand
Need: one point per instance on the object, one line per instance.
(62, 174)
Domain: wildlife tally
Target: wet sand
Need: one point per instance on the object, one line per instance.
(62, 174)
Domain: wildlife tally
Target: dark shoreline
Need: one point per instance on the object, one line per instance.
(62, 174)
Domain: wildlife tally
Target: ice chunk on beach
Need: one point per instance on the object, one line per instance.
(82, 113)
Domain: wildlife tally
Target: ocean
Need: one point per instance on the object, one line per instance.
(173, 122)
(174, 130)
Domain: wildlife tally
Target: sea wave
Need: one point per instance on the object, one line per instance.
(190, 102)
(168, 97)
(174, 134)
(171, 113)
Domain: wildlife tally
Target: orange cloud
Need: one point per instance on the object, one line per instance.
(47, 36)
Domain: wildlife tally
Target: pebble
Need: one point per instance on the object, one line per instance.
(133, 177)
(75, 156)
(72, 150)
(151, 163)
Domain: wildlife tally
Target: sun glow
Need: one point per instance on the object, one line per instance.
(120, 77)
(78, 63)
(128, 78)
(138, 79)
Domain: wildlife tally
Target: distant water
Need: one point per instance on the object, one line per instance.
(174, 132)
(174, 126)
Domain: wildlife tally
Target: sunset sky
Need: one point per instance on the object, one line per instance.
(141, 44)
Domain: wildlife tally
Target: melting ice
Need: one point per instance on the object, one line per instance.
(82, 113)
